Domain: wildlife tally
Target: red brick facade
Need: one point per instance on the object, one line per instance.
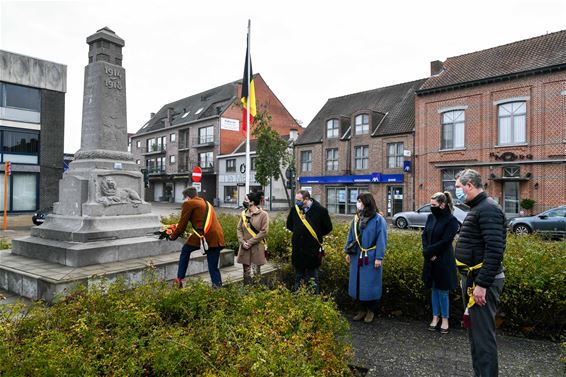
(281, 119)
(541, 159)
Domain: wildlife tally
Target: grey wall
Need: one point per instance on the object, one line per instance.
(52, 140)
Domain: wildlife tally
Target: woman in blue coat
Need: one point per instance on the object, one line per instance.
(365, 249)
(439, 263)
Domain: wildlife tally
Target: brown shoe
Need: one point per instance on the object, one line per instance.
(359, 316)
(369, 317)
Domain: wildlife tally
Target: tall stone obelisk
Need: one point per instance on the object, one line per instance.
(100, 216)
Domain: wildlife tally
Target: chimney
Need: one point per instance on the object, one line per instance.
(151, 115)
(436, 67)
(293, 134)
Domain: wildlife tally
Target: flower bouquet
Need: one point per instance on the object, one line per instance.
(166, 231)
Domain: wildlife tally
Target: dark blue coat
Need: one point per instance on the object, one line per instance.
(438, 234)
(375, 233)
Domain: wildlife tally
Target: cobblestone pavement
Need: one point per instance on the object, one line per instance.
(393, 348)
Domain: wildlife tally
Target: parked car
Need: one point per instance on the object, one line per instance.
(417, 219)
(551, 222)
(39, 217)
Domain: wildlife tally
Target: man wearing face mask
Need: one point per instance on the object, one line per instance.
(479, 255)
(309, 221)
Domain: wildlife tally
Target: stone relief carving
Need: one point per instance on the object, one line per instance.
(111, 194)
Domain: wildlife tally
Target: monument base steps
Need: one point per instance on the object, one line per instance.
(36, 279)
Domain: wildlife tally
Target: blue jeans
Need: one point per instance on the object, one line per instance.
(307, 274)
(440, 303)
(212, 257)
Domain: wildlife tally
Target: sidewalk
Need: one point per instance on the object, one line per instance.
(393, 348)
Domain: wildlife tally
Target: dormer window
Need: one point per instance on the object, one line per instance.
(332, 129)
(362, 124)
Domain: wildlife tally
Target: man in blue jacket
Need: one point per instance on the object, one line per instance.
(479, 255)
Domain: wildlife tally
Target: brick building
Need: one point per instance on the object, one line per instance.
(361, 142)
(501, 111)
(195, 131)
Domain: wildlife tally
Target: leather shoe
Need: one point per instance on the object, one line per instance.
(359, 316)
(369, 317)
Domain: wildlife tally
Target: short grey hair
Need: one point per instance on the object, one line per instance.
(470, 175)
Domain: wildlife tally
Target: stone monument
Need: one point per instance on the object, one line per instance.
(101, 224)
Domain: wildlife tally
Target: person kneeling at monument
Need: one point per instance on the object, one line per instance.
(206, 234)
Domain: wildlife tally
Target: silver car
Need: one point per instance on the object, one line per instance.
(417, 219)
(551, 223)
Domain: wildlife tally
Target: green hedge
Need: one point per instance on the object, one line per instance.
(533, 302)
(156, 330)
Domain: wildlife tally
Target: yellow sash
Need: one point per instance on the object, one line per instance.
(307, 225)
(469, 290)
(207, 221)
(357, 239)
(249, 229)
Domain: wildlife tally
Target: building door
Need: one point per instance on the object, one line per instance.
(394, 200)
(511, 197)
(157, 191)
(241, 194)
(179, 187)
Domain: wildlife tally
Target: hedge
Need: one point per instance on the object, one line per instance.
(533, 302)
(155, 330)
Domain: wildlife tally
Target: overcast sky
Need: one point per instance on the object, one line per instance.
(307, 51)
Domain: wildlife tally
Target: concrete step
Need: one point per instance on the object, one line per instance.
(38, 279)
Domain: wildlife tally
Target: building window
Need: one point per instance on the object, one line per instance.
(231, 164)
(361, 157)
(173, 138)
(395, 155)
(453, 130)
(206, 135)
(151, 145)
(512, 119)
(342, 200)
(138, 144)
(306, 161)
(20, 103)
(138, 162)
(362, 124)
(172, 159)
(162, 143)
(205, 160)
(20, 146)
(230, 194)
(252, 162)
(332, 129)
(332, 159)
(449, 180)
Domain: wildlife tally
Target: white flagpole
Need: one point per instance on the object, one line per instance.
(248, 64)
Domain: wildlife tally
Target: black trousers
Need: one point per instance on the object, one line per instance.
(482, 330)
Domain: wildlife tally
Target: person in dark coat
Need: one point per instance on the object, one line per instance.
(307, 251)
(479, 257)
(365, 249)
(439, 266)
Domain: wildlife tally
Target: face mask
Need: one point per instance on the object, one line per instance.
(359, 206)
(299, 203)
(460, 194)
(246, 204)
(436, 210)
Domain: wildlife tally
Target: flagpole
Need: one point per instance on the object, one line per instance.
(248, 64)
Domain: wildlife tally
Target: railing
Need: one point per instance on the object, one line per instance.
(203, 141)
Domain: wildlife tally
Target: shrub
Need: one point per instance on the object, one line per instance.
(155, 330)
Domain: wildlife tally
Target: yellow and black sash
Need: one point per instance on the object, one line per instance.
(468, 270)
(307, 225)
(207, 221)
(363, 259)
(248, 227)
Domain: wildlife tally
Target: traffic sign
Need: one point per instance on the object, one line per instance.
(198, 186)
(197, 174)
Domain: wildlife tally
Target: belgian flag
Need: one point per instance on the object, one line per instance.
(248, 94)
